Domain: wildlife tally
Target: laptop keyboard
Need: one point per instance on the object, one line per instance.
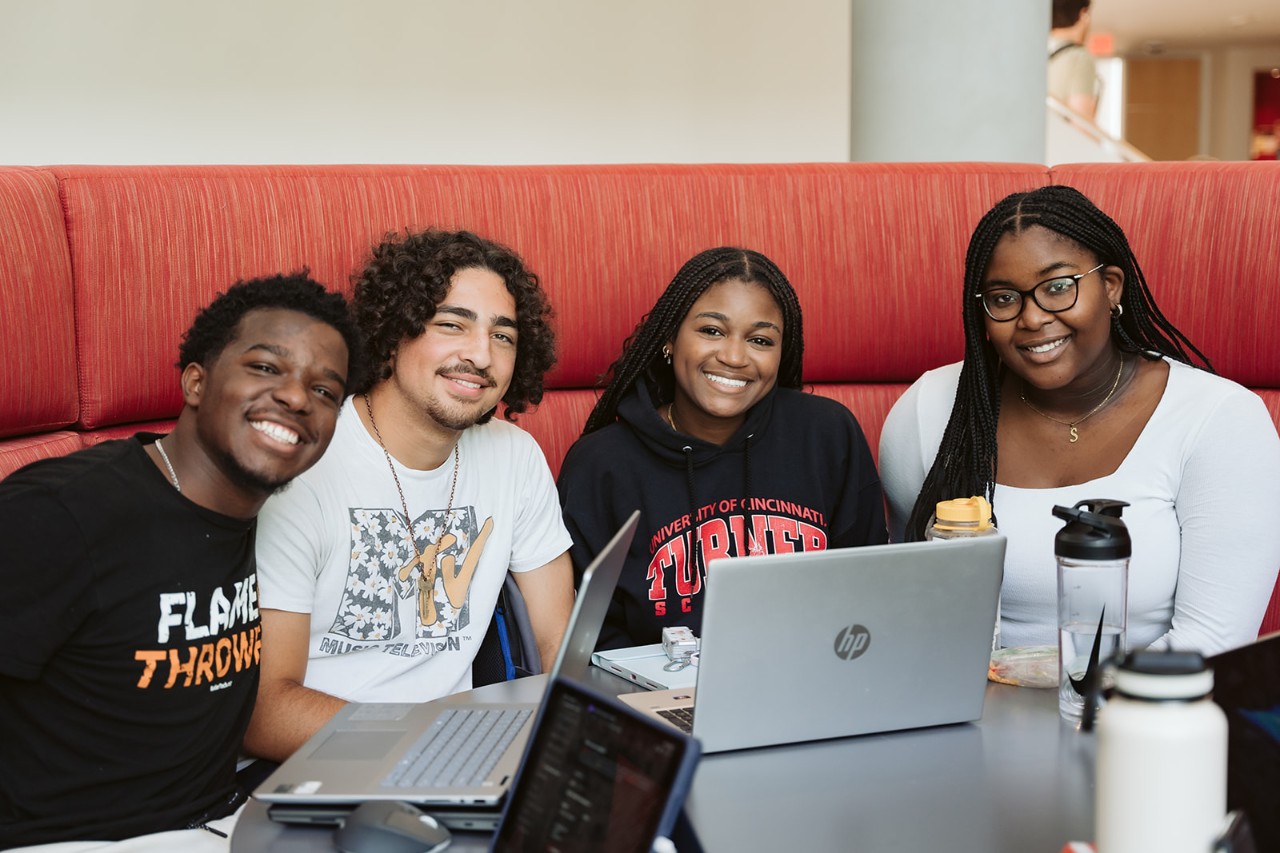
(681, 718)
(459, 749)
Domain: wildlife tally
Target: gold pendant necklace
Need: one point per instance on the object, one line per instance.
(425, 565)
(1075, 434)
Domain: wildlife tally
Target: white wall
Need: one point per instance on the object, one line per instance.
(954, 80)
(423, 81)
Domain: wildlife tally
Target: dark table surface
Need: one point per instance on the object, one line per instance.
(1019, 780)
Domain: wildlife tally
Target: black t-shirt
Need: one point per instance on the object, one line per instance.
(129, 645)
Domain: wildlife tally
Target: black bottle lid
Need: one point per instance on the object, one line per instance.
(1164, 676)
(1093, 531)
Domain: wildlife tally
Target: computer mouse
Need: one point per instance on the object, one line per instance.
(385, 826)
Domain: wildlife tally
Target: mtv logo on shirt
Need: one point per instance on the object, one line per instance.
(397, 578)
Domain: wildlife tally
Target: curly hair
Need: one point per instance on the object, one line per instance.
(966, 460)
(641, 352)
(217, 324)
(408, 277)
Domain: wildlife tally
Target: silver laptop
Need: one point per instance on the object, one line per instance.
(433, 753)
(824, 644)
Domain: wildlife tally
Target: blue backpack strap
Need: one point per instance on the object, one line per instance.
(500, 612)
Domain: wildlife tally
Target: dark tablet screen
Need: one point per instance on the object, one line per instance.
(596, 776)
(1246, 684)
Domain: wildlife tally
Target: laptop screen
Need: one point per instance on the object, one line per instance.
(1246, 685)
(596, 776)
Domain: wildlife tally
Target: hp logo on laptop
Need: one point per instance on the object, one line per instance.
(852, 641)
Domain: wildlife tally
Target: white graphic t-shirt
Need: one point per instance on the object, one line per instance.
(389, 624)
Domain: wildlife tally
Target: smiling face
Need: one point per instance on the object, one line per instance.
(461, 365)
(266, 406)
(725, 358)
(1067, 350)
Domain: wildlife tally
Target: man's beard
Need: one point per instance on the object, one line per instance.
(448, 419)
(439, 411)
(250, 481)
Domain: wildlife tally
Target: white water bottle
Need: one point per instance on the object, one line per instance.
(1162, 757)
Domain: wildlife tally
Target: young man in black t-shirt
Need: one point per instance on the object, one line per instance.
(129, 621)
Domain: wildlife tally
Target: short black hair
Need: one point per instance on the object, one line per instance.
(215, 326)
(641, 359)
(1067, 12)
(408, 276)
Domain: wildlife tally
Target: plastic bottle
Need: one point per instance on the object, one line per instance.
(964, 518)
(961, 518)
(1162, 757)
(1092, 552)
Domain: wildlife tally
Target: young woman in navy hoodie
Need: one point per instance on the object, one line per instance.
(704, 428)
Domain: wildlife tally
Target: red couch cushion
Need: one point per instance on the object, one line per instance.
(557, 422)
(605, 240)
(38, 383)
(1207, 236)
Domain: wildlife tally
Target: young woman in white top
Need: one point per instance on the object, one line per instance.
(1075, 386)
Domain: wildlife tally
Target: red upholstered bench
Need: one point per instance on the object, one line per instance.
(103, 267)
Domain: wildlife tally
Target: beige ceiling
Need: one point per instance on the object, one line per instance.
(1172, 24)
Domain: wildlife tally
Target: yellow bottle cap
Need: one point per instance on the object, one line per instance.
(974, 512)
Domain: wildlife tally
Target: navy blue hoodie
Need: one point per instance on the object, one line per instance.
(797, 476)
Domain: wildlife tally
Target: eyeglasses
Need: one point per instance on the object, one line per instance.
(1003, 304)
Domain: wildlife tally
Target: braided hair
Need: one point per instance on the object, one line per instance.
(641, 357)
(966, 460)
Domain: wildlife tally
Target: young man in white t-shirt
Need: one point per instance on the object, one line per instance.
(354, 607)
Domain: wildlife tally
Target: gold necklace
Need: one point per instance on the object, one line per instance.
(1075, 435)
(671, 418)
(426, 580)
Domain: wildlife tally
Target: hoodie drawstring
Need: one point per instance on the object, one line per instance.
(746, 494)
(693, 510)
(746, 503)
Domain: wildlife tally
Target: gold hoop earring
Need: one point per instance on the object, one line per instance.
(666, 353)
(1117, 311)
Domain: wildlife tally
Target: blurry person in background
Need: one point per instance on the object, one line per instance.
(1073, 75)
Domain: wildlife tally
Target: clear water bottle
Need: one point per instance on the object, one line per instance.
(964, 518)
(1162, 757)
(1092, 552)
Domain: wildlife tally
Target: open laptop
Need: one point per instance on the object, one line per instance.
(824, 644)
(375, 751)
(596, 776)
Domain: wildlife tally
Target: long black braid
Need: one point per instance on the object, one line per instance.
(966, 460)
(641, 357)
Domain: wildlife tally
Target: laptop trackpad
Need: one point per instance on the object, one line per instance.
(356, 746)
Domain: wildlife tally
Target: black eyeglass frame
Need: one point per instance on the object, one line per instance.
(1022, 295)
